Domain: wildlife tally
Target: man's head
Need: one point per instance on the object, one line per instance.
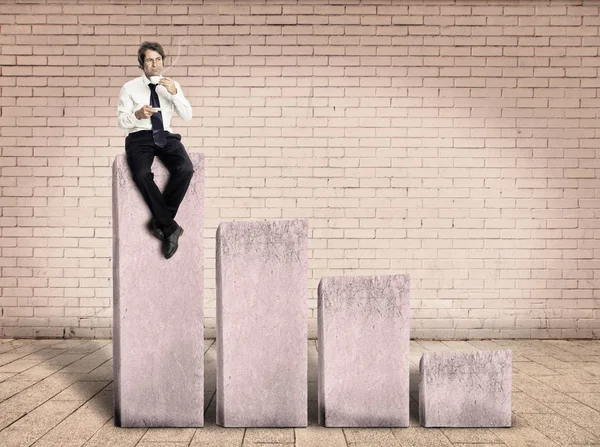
(151, 57)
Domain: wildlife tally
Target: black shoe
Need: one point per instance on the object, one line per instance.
(170, 243)
(153, 227)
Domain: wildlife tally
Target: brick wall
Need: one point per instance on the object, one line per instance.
(455, 141)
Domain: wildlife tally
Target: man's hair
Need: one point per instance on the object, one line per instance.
(155, 46)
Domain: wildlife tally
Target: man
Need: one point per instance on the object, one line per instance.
(146, 105)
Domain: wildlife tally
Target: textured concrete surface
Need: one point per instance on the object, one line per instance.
(45, 402)
(364, 335)
(262, 289)
(465, 389)
(158, 307)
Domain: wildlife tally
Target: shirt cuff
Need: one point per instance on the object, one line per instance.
(134, 120)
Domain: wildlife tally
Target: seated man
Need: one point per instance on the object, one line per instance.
(146, 105)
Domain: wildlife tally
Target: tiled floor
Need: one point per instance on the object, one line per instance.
(59, 393)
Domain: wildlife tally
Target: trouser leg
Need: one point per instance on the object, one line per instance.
(140, 152)
(181, 169)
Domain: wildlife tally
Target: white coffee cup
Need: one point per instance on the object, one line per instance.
(154, 79)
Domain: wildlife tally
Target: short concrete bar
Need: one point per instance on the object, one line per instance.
(364, 342)
(262, 349)
(465, 389)
(158, 338)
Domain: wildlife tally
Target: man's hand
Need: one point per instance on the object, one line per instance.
(169, 84)
(145, 112)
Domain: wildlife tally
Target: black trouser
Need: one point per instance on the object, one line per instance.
(140, 150)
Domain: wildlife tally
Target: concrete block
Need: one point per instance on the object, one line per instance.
(364, 337)
(262, 349)
(158, 308)
(465, 389)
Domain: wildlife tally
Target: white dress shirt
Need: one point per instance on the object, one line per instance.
(136, 93)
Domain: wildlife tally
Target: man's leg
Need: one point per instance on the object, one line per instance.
(140, 155)
(177, 161)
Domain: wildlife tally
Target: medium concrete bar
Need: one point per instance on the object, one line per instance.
(465, 389)
(364, 342)
(262, 350)
(158, 337)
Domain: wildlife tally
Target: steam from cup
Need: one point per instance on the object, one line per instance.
(181, 40)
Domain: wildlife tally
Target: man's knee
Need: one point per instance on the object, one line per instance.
(186, 170)
(142, 176)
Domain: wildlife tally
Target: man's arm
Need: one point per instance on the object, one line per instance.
(126, 114)
(181, 104)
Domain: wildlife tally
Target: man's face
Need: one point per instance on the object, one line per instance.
(153, 63)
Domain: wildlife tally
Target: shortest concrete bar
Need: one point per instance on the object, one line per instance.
(364, 342)
(262, 350)
(158, 310)
(465, 389)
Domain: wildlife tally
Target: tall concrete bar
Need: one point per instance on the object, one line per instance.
(364, 342)
(158, 337)
(262, 327)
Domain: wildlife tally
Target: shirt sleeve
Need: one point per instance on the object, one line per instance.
(126, 114)
(181, 104)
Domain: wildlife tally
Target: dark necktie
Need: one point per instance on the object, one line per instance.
(158, 130)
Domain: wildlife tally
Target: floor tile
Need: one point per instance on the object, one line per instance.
(375, 436)
(11, 387)
(8, 418)
(169, 435)
(81, 391)
(592, 400)
(417, 436)
(35, 424)
(162, 444)
(212, 435)
(471, 435)
(321, 436)
(525, 436)
(533, 369)
(37, 394)
(560, 429)
(522, 403)
(111, 436)
(270, 435)
(580, 414)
